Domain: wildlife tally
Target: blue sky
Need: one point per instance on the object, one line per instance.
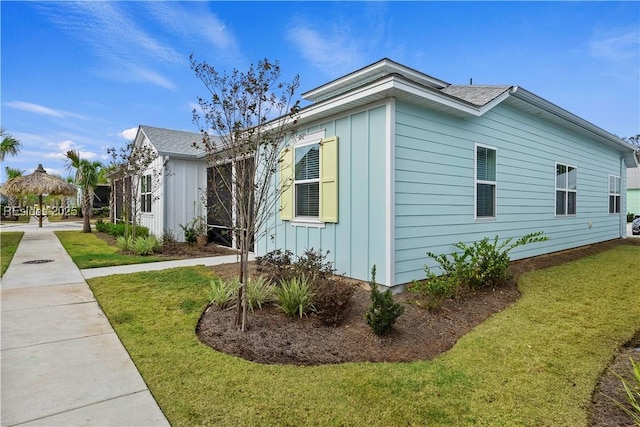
(84, 75)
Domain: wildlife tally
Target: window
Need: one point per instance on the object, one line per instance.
(614, 194)
(145, 193)
(566, 185)
(485, 182)
(307, 180)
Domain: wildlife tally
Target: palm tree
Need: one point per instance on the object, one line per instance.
(87, 178)
(12, 200)
(9, 145)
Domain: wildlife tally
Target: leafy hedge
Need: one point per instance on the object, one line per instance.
(119, 229)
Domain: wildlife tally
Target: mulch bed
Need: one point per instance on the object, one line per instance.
(272, 337)
(179, 249)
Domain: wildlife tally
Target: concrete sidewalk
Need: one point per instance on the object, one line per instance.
(62, 363)
(88, 273)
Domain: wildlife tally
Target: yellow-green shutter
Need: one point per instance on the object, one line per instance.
(286, 184)
(329, 179)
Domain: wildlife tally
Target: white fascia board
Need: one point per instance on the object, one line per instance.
(393, 84)
(384, 66)
(551, 108)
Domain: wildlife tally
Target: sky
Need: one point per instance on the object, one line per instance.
(84, 75)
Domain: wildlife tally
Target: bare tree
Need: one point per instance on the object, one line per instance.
(134, 164)
(633, 140)
(244, 122)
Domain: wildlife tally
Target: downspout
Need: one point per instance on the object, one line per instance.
(623, 197)
(165, 210)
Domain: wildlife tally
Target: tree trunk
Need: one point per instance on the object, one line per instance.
(86, 211)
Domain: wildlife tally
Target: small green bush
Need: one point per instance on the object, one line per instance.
(630, 216)
(384, 311)
(483, 264)
(259, 291)
(331, 299)
(313, 264)
(120, 228)
(125, 244)
(145, 245)
(222, 293)
(102, 226)
(294, 296)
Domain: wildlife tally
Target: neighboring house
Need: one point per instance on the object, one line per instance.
(170, 192)
(392, 163)
(633, 190)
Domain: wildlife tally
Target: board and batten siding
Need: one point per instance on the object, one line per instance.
(434, 184)
(185, 186)
(152, 220)
(357, 241)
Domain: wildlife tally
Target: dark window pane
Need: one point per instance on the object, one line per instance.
(307, 199)
(571, 203)
(485, 200)
(561, 202)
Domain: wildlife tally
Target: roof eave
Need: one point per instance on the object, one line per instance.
(613, 140)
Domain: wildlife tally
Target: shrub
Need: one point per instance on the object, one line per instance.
(168, 238)
(223, 292)
(125, 244)
(294, 296)
(102, 226)
(630, 216)
(331, 299)
(313, 264)
(276, 265)
(120, 228)
(259, 291)
(145, 245)
(384, 311)
(435, 289)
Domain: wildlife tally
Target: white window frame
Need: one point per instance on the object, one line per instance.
(615, 194)
(565, 189)
(476, 181)
(146, 206)
(309, 221)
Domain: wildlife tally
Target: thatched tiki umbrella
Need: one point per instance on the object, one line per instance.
(39, 182)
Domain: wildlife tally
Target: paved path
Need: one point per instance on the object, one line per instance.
(62, 363)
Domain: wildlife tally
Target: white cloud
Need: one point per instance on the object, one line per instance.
(64, 146)
(42, 110)
(129, 134)
(112, 33)
(334, 53)
(616, 45)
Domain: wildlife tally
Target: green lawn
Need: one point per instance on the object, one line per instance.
(88, 251)
(535, 363)
(9, 241)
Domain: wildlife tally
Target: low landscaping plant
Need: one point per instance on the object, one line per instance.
(125, 244)
(331, 299)
(222, 293)
(120, 229)
(384, 311)
(259, 291)
(278, 265)
(632, 393)
(145, 245)
(294, 296)
(482, 264)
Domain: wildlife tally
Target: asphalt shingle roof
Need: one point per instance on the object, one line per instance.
(176, 142)
(478, 95)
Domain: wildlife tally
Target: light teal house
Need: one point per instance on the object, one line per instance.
(392, 163)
